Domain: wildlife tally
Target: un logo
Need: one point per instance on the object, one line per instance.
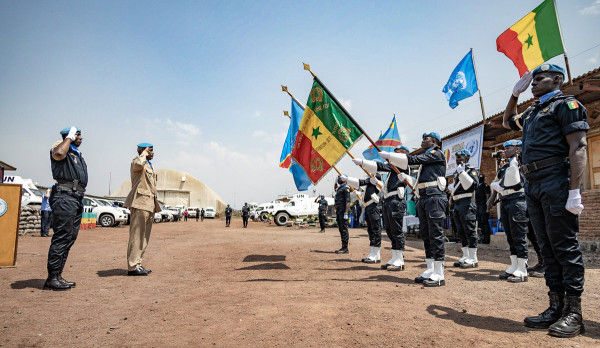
(458, 83)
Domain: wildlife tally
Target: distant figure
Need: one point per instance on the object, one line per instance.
(202, 214)
(46, 213)
(245, 214)
(143, 203)
(322, 212)
(228, 212)
(185, 215)
(198, 214)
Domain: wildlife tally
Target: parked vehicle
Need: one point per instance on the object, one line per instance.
(175, 211)
(30, 194)
(166, 215)
(299, 206)
(125, 211)
(106, 215)
(157, 217)
(209, 212)
(266, 209)
(192, 211)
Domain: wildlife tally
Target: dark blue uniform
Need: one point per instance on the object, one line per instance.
(481, 196)
(342, 197)
(66, 201)
(394, 207)
(372, 213)
(322, 213)
(245, 215)
(431, 207)
(545, 126)
(465, 212)
(513, 214)
(228, 212)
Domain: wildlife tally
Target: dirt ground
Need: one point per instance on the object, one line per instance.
(268, 286)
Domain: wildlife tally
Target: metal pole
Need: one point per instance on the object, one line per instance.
(563, 43)
(478, 88)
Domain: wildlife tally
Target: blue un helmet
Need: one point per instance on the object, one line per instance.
(433, 135)
(513, 142)
(548, 68)
(463, 152)
(402, 147)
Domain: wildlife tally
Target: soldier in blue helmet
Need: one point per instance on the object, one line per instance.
(394, 205)
(66, 200)
(342, 207)
(431, 208)
(509, 185)
(554, 158)
(465, 211)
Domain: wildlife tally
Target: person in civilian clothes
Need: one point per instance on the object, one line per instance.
(46, 213)
(431, 190)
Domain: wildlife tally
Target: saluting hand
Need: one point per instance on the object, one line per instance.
(522, 84)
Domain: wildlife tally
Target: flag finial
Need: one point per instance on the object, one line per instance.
(283, 88)
(307, 67)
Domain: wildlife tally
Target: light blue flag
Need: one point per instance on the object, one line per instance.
(386, 142)
(462, 83)
(300, 178)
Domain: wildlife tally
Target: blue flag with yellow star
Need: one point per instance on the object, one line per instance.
(386, 142)
(300, 179)
(462, 82)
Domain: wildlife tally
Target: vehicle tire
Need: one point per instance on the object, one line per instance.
(157, 220)
(282, 218)
(106, 220)
(263, 217)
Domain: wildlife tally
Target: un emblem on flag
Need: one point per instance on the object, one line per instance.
(458, 83)
(316, 165)
(316, 95)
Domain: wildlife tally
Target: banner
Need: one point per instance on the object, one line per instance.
(471, 140)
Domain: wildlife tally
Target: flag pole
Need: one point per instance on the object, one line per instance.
(284, 88)
(563, 44)
(307, 67)
(478, 88)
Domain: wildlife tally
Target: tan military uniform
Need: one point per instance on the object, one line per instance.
(143, 204)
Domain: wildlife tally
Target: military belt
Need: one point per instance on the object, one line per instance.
(71, 185)
(462, 195)
(537, 165)
(427, 184)
(509, 192)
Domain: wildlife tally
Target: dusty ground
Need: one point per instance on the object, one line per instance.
(267, 286)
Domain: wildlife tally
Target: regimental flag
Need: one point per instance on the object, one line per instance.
(386, 142)
(462, 82)
(300, 179)
(325, 133)
(534, 39)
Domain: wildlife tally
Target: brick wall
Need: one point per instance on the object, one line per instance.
(589, 220)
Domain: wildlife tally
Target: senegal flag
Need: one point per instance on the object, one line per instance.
(326, 132)
(532, 40)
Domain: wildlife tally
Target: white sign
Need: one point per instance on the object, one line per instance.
(471, 140)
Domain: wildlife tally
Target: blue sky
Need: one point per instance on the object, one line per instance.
(201, 79)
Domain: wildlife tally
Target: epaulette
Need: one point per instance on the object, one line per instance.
(56, 144)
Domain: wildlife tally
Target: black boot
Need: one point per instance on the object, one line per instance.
(550, 315)
(571, 322)
(52, 283)
(343, 249)
(64, 281)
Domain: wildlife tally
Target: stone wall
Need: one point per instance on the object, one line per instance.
(31, 220)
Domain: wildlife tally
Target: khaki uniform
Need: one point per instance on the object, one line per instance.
(143, 204)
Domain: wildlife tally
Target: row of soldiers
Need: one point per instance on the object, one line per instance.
(543, 189)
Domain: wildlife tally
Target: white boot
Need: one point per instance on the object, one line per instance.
(510, 270)
(471, 261)
(520, 275)
(387, 264)
(460, 261)
(437, 278)
(377, 253)
(398, 264)
(428, 272)
(373, 256)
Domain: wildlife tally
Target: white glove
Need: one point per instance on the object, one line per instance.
(357, 161)
(522, 84)
(72, 134)
(402, 177)
(344, 178)
(460, 168)
(345, 216)
(574, 202)
(373, 180)
(384, 154)
(496, 186)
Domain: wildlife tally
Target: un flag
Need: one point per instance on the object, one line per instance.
(462, 82)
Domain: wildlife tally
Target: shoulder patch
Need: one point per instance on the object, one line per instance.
(573, 105)
(432, 151)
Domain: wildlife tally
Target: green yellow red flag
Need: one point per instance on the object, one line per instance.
(326, 132)
(534, 39)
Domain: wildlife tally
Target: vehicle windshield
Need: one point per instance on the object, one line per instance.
(37, 192)
(209, 209)
(104, 203)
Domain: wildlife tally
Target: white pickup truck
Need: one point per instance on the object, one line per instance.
(299, 206)
(30, 193)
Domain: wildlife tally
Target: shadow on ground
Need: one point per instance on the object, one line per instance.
(381, 278)
(115, 272)
(477, 274)
(28, 284)
(264, 258)
(264, 266)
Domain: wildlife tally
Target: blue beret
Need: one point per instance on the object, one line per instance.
(433, 135)
(548, 68)
(66, 130)
(513, 142)
(402, 147)
(463, 152)
(145, 145)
